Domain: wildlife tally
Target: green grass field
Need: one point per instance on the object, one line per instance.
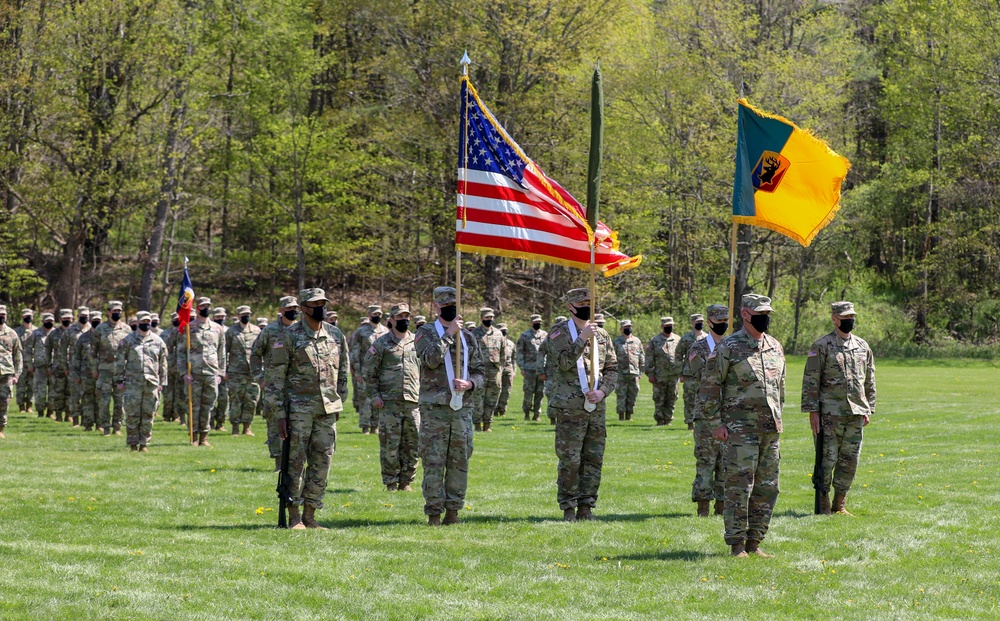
(90, 531)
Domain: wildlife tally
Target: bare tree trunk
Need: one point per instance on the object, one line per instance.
(68, 287)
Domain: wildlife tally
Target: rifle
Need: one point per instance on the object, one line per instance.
(818, 474)
(284, 488)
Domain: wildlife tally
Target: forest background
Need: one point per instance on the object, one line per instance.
(285, 143)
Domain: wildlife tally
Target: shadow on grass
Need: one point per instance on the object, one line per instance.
(663, 555)
(792, 513)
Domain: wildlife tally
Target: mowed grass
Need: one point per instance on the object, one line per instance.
(90, 531)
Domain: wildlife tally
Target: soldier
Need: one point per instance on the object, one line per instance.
(696, 334)
(104, 348)
(742, 393)
(599, 320)
(304, 383)
(262, 322)
(333, 318)
(243, 390)
(133, 323)
(709, 481)
(492, 345)
(81, 363)
(40, 365)
(446, 432)
(141, 373)
(392, 381)
(470, 325)
(67, 346)
(547, 364)
(631, 362)
(10, 365)
(358, 396)
(838, 392)
(419, 320)
(260, 361)
(221, 409)
(507, 379)
(530, 360)
(663, 371)
(207, 359)
(361, 340)
(579, 406)
(55, 360)
(154, 322)
(169, 392)
(24, 383)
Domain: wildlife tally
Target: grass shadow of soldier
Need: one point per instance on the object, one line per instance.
(663, 555)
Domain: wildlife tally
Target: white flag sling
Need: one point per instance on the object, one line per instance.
(456, 395)
(581, 370)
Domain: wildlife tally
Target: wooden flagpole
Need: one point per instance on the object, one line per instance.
(732, 278)
(458, 253)
(187, 331)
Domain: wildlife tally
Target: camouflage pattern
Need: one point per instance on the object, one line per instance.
(664, 368)
(743, 388)
(531, 360)
(243, 390)
(55, 357)
(493, 346)
(208, 363)
(141, 365)
(446, 442)
(67, 349)
(221, 407)
(81, 364)
(709, 479)
(507, 378)
(399, 441)
(631, 361)
(690, 389)
(27, 378)
(11, 365)
(306, 374)
(260, 361)
(103, 351)
(170, 391)
(361, 340)
(40, 369)
(580, 435)
(392, 374)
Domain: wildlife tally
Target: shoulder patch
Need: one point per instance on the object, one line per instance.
(555, 334)
(419, 336)
(371, 350)
(694, 352)
(279, 344)
(812, 353)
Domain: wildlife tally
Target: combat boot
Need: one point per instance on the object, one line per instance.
(628, 415)
(294, 519)
(702, 508)
(621, 415)
(236, 429)
(143, 449)
(366, 431)
(88, 428)
(486, 427)
(824, 504)
(552, 421)
(753, 547)
(583, 513)
(76, 422)
(133, 447)
(738, 550)
(375, 431)
(247, 431)
(309, 519)
(118, 432)
(478, 426)
(720, 506)
(391, 487)
(527, 416)
(406, 488)
(839, 499)
(569, 515)
(451, 517)
(58, 417)
(1, 433)
(537, 416)
(107, 431)
(434, 520)
(203, 439)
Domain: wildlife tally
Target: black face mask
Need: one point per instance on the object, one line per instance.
(219, 321)
(503, 332)
(448, 313)
(144, 327)
(3, 319)
(135, 327)
(402, 325)
(116, 316)
(668, 329)
(175, 323)
(699, 325)
(155, 324)
(26, 320)
(84, 319)
(316, 312)
(487, 323)
(536, 326)
(377, 319)
(203, 312)
(760, 323)
(582, 312)
(846, 325)
(66, 322)
(720, 328)
(48, 325)
(626, 331)
(95, 322)
(291, 315)
(244, 319)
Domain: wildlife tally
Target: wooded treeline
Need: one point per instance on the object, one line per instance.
(282, 143)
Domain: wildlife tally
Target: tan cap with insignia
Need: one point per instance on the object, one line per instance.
(397, 309)
(65, 313)
(218, 311)
(502, 326)
(288, 301)
(717, 313)
(560, 318)
(599, 318)
(243, 310)
(419, 320)
(204, 302)
(312, 295)
(143, 316)
(576, 296)
(486, 313)
(626, 323)
(844, 309)
(757, 303)
(374, 309)
(48, 317)
(83, 310)
(470, 325)
(262, 321)
(697, 317)
(443, 296)
(535, 318)
(666, 321)
(114, 305)
(27, 312)
(95, 315)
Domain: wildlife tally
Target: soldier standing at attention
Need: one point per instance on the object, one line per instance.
(304, 382)
(696, 334)
(492, 345)
(743, 392)
(67, 345)
(141, 373)
(55, 359)
(81, 363)
(581, 433)
(40, 365)
(243, 391)
(10, 365)
(530, 360)
(709, 480)
(169, 338)
(419, 320)
(549, 368)
(154, 322)
(507, 380)
(104, 348)
(663, 370)
(361, 340)
(221, 409)
(262, 322)
(208, 365)
(599, 320)
(260, 361)
(24, 382)
(358, 395)
(631, 362)
(838, 392)
(392, 381)
(446, 432)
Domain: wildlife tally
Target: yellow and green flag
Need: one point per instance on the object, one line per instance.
(787, 180)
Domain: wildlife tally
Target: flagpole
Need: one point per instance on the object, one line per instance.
(594, 199)
(458, 252)
(732, 277)
(187, 331)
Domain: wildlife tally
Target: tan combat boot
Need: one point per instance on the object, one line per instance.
(76, 422)
(486, 428)
(236, 429)
(203, 439)
(477, 426)
(309, 518)
(366, 431)
(1, 433)
(583, 513)
(406, 488)
(753, 547)
(738, 550)
(133, 447)
(824, 504)
(391, 487)
(143, 449)
(434, 520)
(451, 517)
(294, 519)
(720, 506)
(702, 508)
(839, 500)
(247, 431)
(569, 515)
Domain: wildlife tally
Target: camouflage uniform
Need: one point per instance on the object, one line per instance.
(549, 370)
(492, 345)
(11, 365)
(580, 435)
(27, 378)
(507, 379)
(361, 340)
(260, 361)
(221, 408)
(839, 383)
(303, 382)
(40, 365)
(663, 367)
(174, 383)
(243, 390)
(55, 356)
(392, 374)
(631, 362)
(208, 364)
(744, 389)
(690, 389)
(154, 322)
(81, 365)
(358, 395)
(445, 434)
(104, 348)
(67, 346)
(529, 358)
(141, 365)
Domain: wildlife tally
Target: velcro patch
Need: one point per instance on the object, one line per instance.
(812, 353)
(278, 344)
(419, 336)
(554, 334)
(692, 355)
(371, 350)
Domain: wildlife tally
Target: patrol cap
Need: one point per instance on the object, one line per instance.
(143, 316)
(666, 321)
(27, 312)
(697, 317)
(312, 295)
(575, 296)
(397, 309)
(174, 316)
(502, 326)
(364, 320)
(330, 315)
(470, 325)
(65, 313)
(154, 316)
(419, 320)
(443, 296)
(535, 318)
(48, 317)
(844, 309)
(243, 310)
(132, 320)
(3, 309)
(626, 323)
(114, 305)
(717, 313)
(95, 315)
(83, 310)
(374, 309)
(486, 313)
(757, 303)
(261, 321)
(560, 318)
(204, 302)
(288, 301)
(218, 310)
(599, 318)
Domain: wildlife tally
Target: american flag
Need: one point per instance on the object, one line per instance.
(508, 207)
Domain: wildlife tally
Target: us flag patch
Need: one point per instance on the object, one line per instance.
(554, 334)
(811, 354)
(371, 350)
(278, 345)
(418, 337)
(692, 355)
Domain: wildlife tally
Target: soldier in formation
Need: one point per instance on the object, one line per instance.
(221, 409)
(696, 334)
(260, 361)
(507, 379)
(631, 361)
(104, 349)
(361, 340)
(392, 382)
(530, 359)
(81, 367)
(663, 371)
(141, 373)
(202, 367)
(492, 344)
(243, 390)
(25, 381)
(40, 365)
(838, 392)
(548, 366)
(169, 392)
(56, 365)
(10, 365)
(67, 347)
